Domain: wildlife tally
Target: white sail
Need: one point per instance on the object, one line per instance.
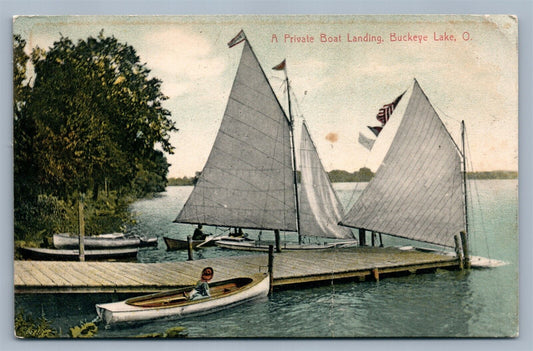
(320, 209)
(417, 192)
(247, 181)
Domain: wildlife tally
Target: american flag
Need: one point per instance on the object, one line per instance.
(386, 111)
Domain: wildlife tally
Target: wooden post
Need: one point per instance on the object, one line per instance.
(189, 247)
(82, 230)
(362, 237)
(380, 240)
(270, 268)
(466, 255)
(375, 274)
(278, 245)
(458, 251)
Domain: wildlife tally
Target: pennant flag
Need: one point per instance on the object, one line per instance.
(238, 38)
(386, 111)
(279, 67)
(366, 142)
(375, 130)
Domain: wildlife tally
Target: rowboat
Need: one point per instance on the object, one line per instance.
(174, 303)
(102, 241)
(177, 244)
(44, 254)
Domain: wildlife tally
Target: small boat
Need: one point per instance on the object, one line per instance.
(177, 244)
(174, 303)
(102, 241)
(44, 254)
(263, 246)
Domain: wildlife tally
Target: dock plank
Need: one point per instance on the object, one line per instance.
(38, 275)
(290, 267)
(81, 274)
(56, 276)
(66, 272)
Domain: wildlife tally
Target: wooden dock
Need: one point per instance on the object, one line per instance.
(290, 268)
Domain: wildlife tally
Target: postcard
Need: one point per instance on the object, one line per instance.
(292, 176)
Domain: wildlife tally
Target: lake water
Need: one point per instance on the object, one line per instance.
(477, 303)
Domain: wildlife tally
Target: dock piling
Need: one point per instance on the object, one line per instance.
(466, 255)
(458, 251)
(375, 274)
(82, 230)
(278, 240)
(362, 237)
(271, 268)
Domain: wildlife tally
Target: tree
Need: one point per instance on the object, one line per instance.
(98, 115)
(23, 128)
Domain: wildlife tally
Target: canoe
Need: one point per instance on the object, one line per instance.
(177, 244)
(43, 254)
(102, 241)
(174, 303)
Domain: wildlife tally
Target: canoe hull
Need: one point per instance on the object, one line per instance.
(101, 242)
(126, 312)
(42, 254)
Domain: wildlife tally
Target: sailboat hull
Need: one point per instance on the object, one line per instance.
(263, 246)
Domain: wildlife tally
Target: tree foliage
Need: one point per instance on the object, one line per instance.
(90, 120)
(95, 103)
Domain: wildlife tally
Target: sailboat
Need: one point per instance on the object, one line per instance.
(419, 191)
(250, 181)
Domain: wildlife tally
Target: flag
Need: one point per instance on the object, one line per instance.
(366, 142)
(386, 111)
(375, 130)
(280, 66)
(238, 38)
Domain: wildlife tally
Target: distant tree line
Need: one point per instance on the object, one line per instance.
(492, 175)
(89, 123)
(363, 175)
(338, 176)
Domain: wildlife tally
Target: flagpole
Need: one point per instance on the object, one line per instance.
(295, 170)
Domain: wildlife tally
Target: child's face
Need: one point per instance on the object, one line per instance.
(207, 275)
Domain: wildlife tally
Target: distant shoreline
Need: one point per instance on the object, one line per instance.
(363, 175)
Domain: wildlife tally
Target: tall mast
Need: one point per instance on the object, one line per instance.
(464, 174)
(295, 174)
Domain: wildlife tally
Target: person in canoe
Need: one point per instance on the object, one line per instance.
(201, 290)
(198, 234)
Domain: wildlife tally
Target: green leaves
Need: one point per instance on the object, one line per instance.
(99, 115)
(27, 327)
(90, 120)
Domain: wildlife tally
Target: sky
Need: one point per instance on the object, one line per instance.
(466, 65)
